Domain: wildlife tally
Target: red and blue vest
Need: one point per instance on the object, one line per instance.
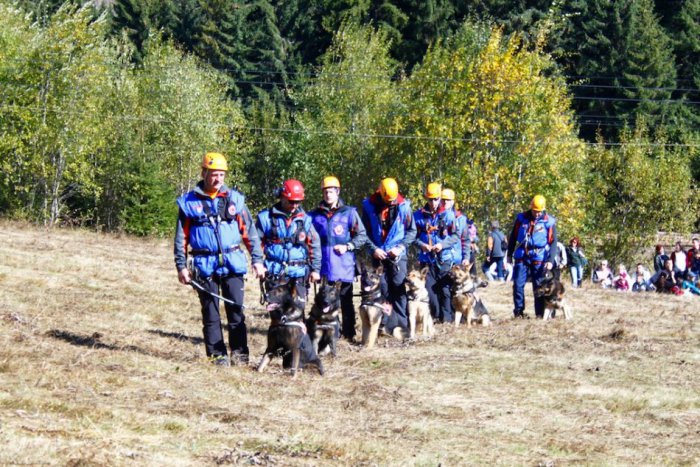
(533, 237)
(214, 233)
(395, 236)
(285, 242)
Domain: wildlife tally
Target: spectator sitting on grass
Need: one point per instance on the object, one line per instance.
(641, 279)
(602, 275)
(621, 281)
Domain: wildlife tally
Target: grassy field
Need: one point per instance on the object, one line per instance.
(102, 363)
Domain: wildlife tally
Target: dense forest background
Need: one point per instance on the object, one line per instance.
(108, 106)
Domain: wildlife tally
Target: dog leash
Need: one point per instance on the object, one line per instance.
(199, 287)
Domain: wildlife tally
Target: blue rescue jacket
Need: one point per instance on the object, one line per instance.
(396, 235)
(214, 229)
(534, 238)
(287, 241)
(462, 248)
(434, 228)
(335, 230)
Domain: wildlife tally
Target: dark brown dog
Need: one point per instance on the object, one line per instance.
(322, 323)
(287, 335)
(551, 290)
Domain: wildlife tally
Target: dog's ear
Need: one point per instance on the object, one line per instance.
(338, 285)
(293, 290)
(380, 269)
(466, 267)
(324, 281)
(424, 273)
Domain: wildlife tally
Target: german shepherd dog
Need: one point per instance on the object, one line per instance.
(551, 291)
(418, 306)
(287, 335)
(322, 323)
(465, 298)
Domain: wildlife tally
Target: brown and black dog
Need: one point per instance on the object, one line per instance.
(465, 298)
(322, 323)
(287, 335)
(551, 290)
(373, 305)
(418, 306)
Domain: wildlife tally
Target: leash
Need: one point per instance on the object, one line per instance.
(196, 285)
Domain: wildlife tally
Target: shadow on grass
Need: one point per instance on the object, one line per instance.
(178, 336)
(93, 342)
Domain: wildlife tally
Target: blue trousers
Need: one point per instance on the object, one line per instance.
(521, 272)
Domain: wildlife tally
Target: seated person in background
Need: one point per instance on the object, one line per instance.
(692, 261)
(602, 275)
(666, 281)
(689, 285)
(621, 281)
(660, 257)
(679, 260)
(641, 279)
(491, 271)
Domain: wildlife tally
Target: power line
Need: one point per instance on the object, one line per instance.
(437, 139)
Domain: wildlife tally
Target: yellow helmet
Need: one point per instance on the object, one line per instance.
(388, 189)
(433, 190)
(330, 182)
(214, 161)
(539, 203)
(448, 194)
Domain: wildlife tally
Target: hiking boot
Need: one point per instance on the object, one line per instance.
(220, 360)
(239, 359)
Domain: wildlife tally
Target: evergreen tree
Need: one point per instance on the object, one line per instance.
(648, 66)
(133, 18)
(687, 43)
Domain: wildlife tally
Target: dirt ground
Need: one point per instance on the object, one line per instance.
(102, 363)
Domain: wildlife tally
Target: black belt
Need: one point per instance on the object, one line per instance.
(205, 252)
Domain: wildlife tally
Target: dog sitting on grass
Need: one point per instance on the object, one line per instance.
(465, 298)
(551, 290)
(418, 306)
(287, 334)
(322, 324)
(374, 307)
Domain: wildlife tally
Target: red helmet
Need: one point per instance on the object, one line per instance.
(292, 190)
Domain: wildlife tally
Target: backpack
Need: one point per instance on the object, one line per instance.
(504, 244)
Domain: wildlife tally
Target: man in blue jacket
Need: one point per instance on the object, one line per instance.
(391, 230)
(532, 248)
(437, 235)
(290, 243)
(213, 220)
(341, 232)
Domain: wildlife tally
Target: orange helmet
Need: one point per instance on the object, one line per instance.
(214, 161)
(433, 190)
(448, 194)
(388, 189)
(539, 203)
(330, 182)
(292, 190)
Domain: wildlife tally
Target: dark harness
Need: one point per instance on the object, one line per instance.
(372, 298)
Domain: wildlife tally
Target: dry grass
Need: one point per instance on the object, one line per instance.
(101, 363)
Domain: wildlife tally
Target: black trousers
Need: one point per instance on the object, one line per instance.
(231, 289)
(347, 309)
(394, 289)
(438, 284)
